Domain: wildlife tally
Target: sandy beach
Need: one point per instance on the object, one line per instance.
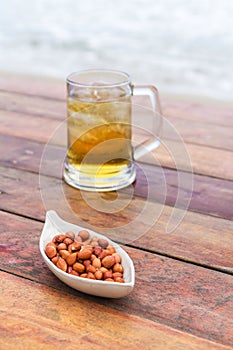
(183, 48)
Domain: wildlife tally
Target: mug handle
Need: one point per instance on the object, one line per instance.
(153, 142)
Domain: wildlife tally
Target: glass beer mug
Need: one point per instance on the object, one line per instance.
(100, 155)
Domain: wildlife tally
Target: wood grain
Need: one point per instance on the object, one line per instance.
(23, 153)
(212, 112)
(193, 292)
(68, 321)
(35, 128)
(164, 185)
(205, 134)
(188, 156)
(197, 238)
(33, 85)
(201, 159)
(195, 132)
(32, 105)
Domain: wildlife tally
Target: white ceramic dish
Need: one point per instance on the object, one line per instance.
(54, 225)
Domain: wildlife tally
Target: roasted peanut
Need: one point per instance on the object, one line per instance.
(111, 249)
(99, 275)
(55, 259)
(97, 250)
(119, 280)
(91, 275)
(79, 267)
(85, 257)
(108, 261)
(70, 234)
(118, 268)
(107, 274)
(50, 251)
(91, 268)
(86, 263)
(64, 254)
(51, 244)
(78, 239)
(117, 274)
(96, 263)
(84, 254)
(74, 247)
(104, 253)
(87, 246)
(83, 275)
(61, 264)
(58, 238)
(84, 234)
(61, 246)
(103, 243)
(75, 273)
(93, 256)
(94, 244)
(71, 259)
(103, 269)
(117, 258)
(69, 269)
(68, 241)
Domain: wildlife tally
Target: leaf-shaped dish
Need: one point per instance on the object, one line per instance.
(54, 225)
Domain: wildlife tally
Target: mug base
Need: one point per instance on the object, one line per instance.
(77, 180)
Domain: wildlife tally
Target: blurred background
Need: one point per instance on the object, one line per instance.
(183, 47)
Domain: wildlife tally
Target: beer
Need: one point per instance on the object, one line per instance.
(99, 135)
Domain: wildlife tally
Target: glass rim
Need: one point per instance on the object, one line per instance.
(74, 82)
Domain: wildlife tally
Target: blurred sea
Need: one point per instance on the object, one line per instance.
(181, 46)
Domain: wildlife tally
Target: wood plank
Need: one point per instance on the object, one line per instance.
(26, 154)
(195, 131)
(198, 238)
(194, 292)
(24, 109)
(35, 105)
(42, 129)
(206, 134)
(26, 126)
(33, 85)
(203, 160)
(35, 128)
(55, 107)
(20, 153)
(206, 196)
(191, 111)
(165, 185)
(211, 111)
(60, 313)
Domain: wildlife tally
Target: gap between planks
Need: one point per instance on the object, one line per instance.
(194, 292)
(140, 331)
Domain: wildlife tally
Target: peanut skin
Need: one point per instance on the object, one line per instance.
(61, 264)
(84, 254)
(50, 251)
(108, 261)
(80, 268)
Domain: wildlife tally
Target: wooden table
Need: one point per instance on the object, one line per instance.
(183, 296)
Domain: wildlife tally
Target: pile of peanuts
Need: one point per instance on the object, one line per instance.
(85, 257)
